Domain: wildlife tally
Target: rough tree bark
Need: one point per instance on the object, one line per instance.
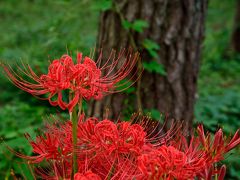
(178, 27)
(236, 30)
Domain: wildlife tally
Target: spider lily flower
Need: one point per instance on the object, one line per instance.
(178, 159)
(86, 79)
(86, 176)
(210, 172)
(101, 147)
(127, 150)
(216, 148)
(166, 162)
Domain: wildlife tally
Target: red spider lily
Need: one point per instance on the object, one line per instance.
(110, 146)
(87, 176)
(167, 162)
(85, 79)
(122, 150)
(179, 159)
(121, 138)
(47, 147)
(216, 148)
(212, 171)
(102, 146)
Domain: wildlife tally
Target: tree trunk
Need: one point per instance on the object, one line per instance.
(178, 27)
(236, 30)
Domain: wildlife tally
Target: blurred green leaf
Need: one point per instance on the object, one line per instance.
(154, 66)
(154, 114)
(126, 24)
(139, 25)
(151, 46)
(102, 5)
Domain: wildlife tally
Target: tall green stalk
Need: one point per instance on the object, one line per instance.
(74, 119)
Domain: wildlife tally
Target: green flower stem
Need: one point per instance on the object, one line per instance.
(74, 119)
(216, 176)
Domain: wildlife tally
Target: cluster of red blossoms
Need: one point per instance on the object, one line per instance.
(89, 149)
(85, 79)
(125, 150)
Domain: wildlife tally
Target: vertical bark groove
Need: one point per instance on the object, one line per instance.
(236, 32)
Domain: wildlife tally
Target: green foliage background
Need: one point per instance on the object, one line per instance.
(37, 31)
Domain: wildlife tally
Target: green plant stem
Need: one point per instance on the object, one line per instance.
(216, 176)
(74, 119)
(74, 137)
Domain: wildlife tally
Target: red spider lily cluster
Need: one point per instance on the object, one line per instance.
(86, 148)
(125, 150)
